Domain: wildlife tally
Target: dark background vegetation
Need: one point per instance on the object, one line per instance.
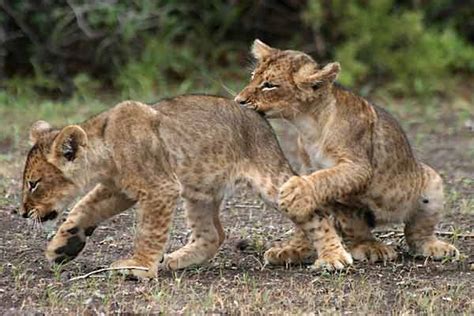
(60, 47)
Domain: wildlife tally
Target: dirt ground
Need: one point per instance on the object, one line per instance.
(236, 281)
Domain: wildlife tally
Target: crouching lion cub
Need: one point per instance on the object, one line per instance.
(195, 147)
(367, 173)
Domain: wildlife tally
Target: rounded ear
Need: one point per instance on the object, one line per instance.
(38, 129)
(330, 72)
(261, 50)
(310, 75)
(68, 142)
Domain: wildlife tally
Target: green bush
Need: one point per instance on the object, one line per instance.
(376, 40)
(132, 45)
(146, 48)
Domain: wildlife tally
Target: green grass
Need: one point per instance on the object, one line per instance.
(18, 113)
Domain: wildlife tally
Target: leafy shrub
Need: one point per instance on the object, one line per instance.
(144, 40)
(145, 48)
(376, 39)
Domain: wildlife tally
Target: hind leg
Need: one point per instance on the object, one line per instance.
(355, 227)
(207, 235)
(420, 226)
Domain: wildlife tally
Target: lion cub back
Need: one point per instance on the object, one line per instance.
(204, 126)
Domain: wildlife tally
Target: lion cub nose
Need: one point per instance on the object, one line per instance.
(241, 100)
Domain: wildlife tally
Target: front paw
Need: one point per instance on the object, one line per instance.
(334, 260)
(438, 250)
(66, 244)
(296, 197)
(135, 267)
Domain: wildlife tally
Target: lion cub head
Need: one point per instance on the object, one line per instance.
(286, 82)
(53, 161)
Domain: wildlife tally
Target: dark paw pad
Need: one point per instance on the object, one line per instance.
(69, 251)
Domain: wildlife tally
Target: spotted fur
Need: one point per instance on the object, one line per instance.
(194, 147)
(363, 160)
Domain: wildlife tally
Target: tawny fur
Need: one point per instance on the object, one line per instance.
(194, 147)
(366, 165)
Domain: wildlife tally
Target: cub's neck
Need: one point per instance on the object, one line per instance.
(98, 163)
(312, 123)
(338, 104)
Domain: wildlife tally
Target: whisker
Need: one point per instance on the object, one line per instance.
(228, 90)
(251, 64)
(37, 224)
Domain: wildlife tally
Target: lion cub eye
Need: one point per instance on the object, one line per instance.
(33, 185)
(266, 86)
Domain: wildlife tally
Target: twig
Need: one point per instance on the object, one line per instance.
(455, 234)
(246, 206)
(262, 266)
(389, 234)
(399, 233)
(79, 14)
(85, 276)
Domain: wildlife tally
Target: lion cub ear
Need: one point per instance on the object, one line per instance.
(310, 75)
(69, 142)
(38, 129)
(261, 50)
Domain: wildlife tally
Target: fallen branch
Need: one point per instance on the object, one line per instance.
(85, 276)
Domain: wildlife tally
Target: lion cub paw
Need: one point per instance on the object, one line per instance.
(66, 244)
(333, 261)
(438, 250)
(373, 251)
(172, 262)
(296, 197)
(126, 266)
(287, 255)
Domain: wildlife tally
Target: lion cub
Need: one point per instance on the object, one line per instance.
(369, 173)
(196, 147)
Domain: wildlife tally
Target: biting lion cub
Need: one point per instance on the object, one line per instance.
(196, 147)
(362, 168)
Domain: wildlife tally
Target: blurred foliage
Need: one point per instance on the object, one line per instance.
(149, 48)
(381, 39)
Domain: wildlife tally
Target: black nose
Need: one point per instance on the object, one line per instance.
(241, 100)
(24, 215)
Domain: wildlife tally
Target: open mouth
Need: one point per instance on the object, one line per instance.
(50, 216)
(253, 107)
